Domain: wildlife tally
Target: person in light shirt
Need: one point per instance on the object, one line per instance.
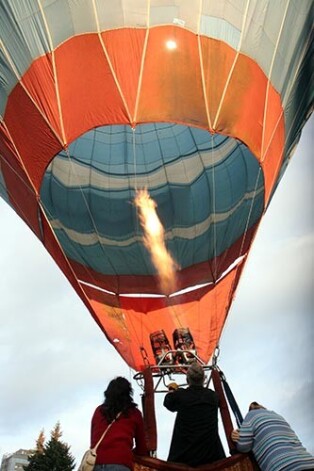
(274, 444)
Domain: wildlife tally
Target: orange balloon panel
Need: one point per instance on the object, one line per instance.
(129, 321)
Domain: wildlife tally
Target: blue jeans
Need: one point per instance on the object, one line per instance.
(111, 467)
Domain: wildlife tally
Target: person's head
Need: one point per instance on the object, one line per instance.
(118, 397)
(255, 405)
(195, 374)
(119, 387)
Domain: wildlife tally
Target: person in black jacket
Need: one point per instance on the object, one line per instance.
(195, 440)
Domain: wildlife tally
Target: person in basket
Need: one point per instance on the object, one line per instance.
(195, 439)
(115, 452)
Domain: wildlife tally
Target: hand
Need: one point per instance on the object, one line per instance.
(235, 435)
(172, 386)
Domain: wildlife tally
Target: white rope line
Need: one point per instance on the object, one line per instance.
(202, 64)
(199, 17)
(272, 135)
(19, 78)
(139, 85)
(29, 187)
(54, 68)
(109, 61)
(233, 65)
(203, 82)
(250, 211)
(269, 77)
(134, 158)
(214, 212)
(137, 238)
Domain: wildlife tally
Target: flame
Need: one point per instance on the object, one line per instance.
(154, 241)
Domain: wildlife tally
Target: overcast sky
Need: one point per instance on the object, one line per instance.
(55, 362)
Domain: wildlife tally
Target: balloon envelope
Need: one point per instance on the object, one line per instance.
(203, 107)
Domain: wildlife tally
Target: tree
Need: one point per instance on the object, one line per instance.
(36, 458)
(56, 432)
(40, 442)
(53, 456)
(35, 462)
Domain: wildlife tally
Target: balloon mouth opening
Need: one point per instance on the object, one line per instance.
(204, 185)
(180, 292)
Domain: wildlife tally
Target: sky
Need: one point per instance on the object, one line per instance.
(55, 362)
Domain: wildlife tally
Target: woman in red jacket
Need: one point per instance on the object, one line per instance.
(115, 452)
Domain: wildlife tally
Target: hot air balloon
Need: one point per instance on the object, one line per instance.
(200, 103)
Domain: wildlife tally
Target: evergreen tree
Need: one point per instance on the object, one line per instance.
(35, 462)
(56, 432)
(55, 456)
(40, 442)
(36, 458)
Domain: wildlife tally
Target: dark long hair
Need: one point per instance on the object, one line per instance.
(118, 398)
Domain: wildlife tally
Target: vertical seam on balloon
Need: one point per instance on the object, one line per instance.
(272, 135)
(20, 80)
(204, 171)
(136, 223)
(56, 83)
(165, 169)
(89, 212)
(203, 82)
(250, 212)
(233, 65)
(268, 80)
(199, 16)
(202, 65)
(139, 85)
(22, 165)
(109, 62)
(203, 79)
(214, 209)
(134, 162)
